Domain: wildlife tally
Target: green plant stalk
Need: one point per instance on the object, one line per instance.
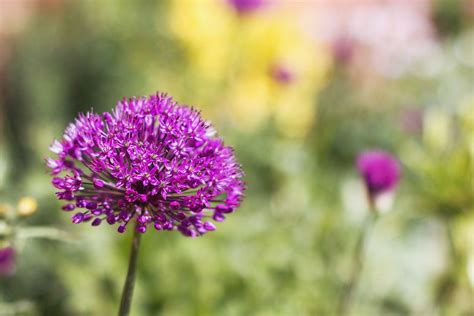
(456, 272)
(349, 289)
(127, 292)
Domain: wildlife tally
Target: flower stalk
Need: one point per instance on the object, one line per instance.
(127, 292)
(348, 291)
(381, 174)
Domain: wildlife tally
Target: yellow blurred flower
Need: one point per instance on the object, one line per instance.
(203, 27)
(240, 54)
(247, 96)
(26, 206)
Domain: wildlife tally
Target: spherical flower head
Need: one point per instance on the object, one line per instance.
(7, 261)
(380, 171)
(246, 6)
(150, 161)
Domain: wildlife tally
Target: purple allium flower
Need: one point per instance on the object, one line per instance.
(246, 6)
(7, 261)
(380, 170)
(151, 161)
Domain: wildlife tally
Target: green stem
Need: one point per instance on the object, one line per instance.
(450, 284)
(348, 291)
(451, 243)
(127, 292)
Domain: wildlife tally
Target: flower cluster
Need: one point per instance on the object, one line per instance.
(380, 170)
(152, 161)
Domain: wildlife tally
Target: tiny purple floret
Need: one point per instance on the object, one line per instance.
(152, 162)
(380, 171)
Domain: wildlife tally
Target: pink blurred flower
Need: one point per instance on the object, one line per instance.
(343, 49)
(7, 261)
(243, 7)
(411, 120)
(282, 74)
(380, 171)
(387, 36)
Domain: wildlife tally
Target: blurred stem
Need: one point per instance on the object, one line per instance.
(127, 291)
(446, 291)
(451, 243)
(17, 308)
(348, 290)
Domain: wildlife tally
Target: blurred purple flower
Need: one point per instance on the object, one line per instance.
(7, 261)
(380, 171)
(282, 74)
(411, 120)
(151, 160)
(343, 49)
(246, 6)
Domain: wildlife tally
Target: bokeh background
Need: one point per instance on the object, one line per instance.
(299, 88)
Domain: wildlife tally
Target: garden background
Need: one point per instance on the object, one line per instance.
(299, 89)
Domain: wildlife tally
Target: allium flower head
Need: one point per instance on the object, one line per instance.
(380, 171)
(7, 261)
(150, 161)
